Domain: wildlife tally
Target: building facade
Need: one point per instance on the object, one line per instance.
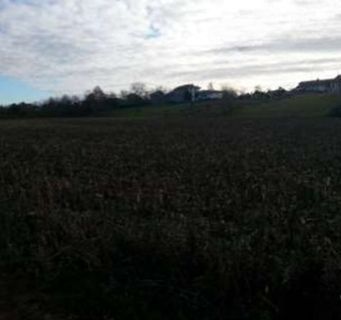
(332, 86)
(205, 95)
(185, 93)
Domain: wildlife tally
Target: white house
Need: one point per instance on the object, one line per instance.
(321, 86)
(209, 95)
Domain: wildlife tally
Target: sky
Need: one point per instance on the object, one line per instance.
(52, 47)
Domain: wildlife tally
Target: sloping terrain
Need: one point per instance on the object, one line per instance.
(313, 105)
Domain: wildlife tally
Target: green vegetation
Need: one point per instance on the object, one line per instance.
(172, 218)
(297, 106)
(313, 105)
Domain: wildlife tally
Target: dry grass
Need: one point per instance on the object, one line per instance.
(179, 219)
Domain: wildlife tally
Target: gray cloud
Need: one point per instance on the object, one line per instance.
(285, 44)
(226, 71)
(70, 45)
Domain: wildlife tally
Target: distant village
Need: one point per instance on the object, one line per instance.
(97, 102)
(190, 92)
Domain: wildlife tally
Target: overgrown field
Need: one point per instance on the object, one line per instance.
(173, 219)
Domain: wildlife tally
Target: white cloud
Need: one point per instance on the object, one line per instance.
(71, 45)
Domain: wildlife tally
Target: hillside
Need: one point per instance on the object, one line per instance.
(299, 106)
(312, 105)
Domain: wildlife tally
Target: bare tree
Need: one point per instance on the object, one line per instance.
(139, 89)
(258, 88)
(229, 97)
(160, 89)
(123, 94)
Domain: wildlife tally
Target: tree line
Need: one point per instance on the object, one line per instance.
(96, 102)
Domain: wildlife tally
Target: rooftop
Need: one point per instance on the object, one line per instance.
(318, 81)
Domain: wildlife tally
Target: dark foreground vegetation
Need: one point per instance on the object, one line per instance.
(178, 219)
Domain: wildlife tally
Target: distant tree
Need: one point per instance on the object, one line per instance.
(158, 96)
(137, 96)
(229, 93)
(139, 89)
(65, 100)
(245, 96)
(261, 95)
(94, 101)
(229, 98)
(281, 91)
(66, 106)
(96, 94)
(123, 94)
(135, 100)
(21, 110)
(160, 89)
(210, 86)
(258, 88)
(112, 101)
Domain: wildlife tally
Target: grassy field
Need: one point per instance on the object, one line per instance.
(171, 218)
(299, 106)
(313, 105)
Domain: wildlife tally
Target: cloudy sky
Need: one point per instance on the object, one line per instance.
(50, 47)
